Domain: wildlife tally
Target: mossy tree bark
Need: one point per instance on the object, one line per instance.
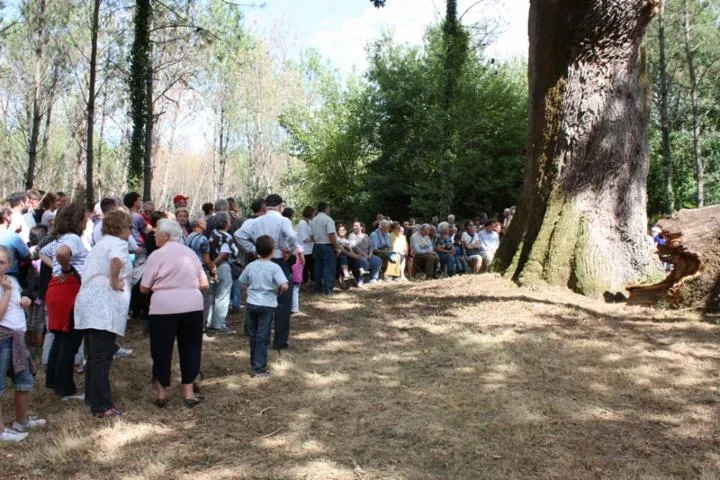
(582, 221)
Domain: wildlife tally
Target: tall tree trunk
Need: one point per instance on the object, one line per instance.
(140, 68)
(222, 153)
(150, 122)
(694, 96)
(89, 157)
(48, 116)
(581, 222)
(668, 196)
(37, 108)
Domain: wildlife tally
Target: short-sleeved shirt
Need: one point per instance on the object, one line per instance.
(489, 241)
(18, 225)
(18, 248)
(263, 279)
(444, 242)
(98, 235)
(137, 227)
(470, 242)
(361, 243)
(321, 227)
(199, 244)
(174, 273)
(380, 240)
(304, 233)
(14, 318)
(77, 248)
(421, 244)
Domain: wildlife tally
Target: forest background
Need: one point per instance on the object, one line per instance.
(396, 138)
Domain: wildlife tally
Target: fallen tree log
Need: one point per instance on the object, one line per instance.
(693, 249)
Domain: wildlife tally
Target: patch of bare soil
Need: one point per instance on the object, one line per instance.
(463, 378)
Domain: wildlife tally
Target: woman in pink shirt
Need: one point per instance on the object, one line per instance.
(176, 279)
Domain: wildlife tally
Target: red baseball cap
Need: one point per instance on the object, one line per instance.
(180, 198)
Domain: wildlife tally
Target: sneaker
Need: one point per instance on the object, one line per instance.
(260, 374)
(10, 435)
(111, 412)
(373, 282)
(30, 423)
(123, 352)
(364, 272)
(77, 396)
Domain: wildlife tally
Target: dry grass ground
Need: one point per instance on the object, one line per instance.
(463, 378)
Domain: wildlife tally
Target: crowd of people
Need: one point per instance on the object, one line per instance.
(71, 279)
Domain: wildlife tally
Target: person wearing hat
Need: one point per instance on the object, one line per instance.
(280, 229)
(180, 201)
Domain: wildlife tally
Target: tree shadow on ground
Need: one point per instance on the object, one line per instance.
(421, 381)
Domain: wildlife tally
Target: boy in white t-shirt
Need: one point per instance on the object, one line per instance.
(14, 356)
(264, 281)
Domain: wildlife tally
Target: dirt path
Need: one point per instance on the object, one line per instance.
(463, 378)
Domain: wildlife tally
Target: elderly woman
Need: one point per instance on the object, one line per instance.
(445, 248)
(223, 251)
(66, 256)
(101, 309)
(176, 279)
(423, 251)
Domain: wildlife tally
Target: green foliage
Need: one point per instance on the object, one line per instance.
(705, 17)
(395, 142)
(140, 70)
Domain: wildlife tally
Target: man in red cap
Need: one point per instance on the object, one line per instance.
(180, 201)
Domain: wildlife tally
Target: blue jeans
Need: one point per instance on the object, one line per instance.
(324, 256)
(219, 302)
(449, 261)
(372, 265)
(462, 266)
(23, 381)
(259, 321)
(235, 295)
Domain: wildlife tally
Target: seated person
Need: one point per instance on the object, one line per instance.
(367, 262)
(380, 238)
(489, 242)
(425, 257)
(344, 251)
(471, 244)
(445, 248)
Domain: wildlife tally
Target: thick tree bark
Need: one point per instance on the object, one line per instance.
(89, 157)
(693, 249)
(582, 222)
(37, 92)
(140, 68)
(669, 196)
(694, 97)
(149, 127)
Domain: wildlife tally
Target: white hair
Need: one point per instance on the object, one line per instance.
(451, 218)
(443, 227)
(171, 228)
(385, 223)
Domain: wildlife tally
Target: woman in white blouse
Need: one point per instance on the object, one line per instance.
(304, 236)
(101, 308)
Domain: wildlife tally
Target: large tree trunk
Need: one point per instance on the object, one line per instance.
(668, 194)
(149, 127)
(89, 158)
(37, 92)
(693, 246)
(582, 222)
(140, 68)
(694, 97)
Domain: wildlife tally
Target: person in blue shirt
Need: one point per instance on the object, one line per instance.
(19, 251)
(264, 281)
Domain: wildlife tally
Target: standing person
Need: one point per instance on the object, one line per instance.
(18, 204)
(305, 237)
(223, 252)
(180, 201)
(281, 231)
(32, 202)
(14, 358)
(198, 242)
(19, 251)
(66, 256)
(101, 309)
(322, 229)
(138, 230)
(183, 218)
(221, 205)
(50, 206)
(400, 250)
(63, 200)
(265, 281)
(176, 278)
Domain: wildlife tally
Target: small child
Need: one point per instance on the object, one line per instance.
(265, 281)
(14, 357)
